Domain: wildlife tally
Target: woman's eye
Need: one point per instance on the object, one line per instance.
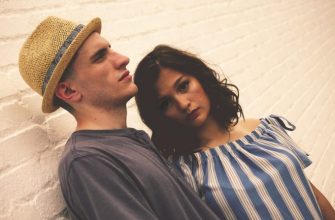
(183, 86)
(164, 105)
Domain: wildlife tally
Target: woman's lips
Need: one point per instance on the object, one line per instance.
(194, 114)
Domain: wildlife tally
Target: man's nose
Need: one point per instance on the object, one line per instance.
(119, 60)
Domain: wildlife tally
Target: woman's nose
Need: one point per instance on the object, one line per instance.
(183, 102)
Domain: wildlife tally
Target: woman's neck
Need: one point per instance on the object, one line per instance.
(211, 134)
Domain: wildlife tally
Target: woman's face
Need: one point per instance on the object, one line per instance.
(182, 99)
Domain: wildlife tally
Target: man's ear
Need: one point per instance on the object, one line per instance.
(67, 93)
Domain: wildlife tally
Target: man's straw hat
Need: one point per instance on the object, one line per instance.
(47, 52)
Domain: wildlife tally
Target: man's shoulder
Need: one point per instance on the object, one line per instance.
(87, 144)
(123, 145)
(78, 147)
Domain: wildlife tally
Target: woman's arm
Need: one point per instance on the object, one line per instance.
(327, 210)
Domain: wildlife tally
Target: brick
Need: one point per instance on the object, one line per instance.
(17, 5)
(13, 115)
(22, 146)
(134, 121)
(33, 103)
(329, 185)
(50, 210)
(26, 211)
(6, 89)
(9, 52)
(36, 178)
(16, 80)
(29, 179)
(61, 126)
(12, 82)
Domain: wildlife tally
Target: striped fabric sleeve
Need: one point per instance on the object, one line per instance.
(283, 125)
(184, 169)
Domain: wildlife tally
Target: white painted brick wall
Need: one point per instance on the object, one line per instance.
(280, 54)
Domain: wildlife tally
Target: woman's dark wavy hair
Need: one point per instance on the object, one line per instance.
(224, 97)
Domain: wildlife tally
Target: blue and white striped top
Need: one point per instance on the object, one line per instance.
(259, 176)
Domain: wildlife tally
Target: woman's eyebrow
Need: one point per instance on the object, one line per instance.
(175, 85)
(177, 82)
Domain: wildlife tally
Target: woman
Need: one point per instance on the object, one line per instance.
(242, 168)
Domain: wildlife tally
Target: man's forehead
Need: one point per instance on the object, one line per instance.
(92, 43)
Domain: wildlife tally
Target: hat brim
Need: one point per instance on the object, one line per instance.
(47, 102)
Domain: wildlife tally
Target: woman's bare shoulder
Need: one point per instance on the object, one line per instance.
(243, 127)
(249, 124)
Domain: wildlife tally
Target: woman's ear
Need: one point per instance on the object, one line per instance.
(67, 93)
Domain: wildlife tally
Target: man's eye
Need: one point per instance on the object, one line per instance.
(183, 86)
(100, 55)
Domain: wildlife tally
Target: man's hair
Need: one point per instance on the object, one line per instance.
(223, 96)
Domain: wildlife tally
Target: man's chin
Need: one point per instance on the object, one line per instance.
(133, 93)
(131, 96)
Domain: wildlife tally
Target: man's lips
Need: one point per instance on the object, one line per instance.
(124, 75)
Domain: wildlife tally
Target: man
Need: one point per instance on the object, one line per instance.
(107, 171)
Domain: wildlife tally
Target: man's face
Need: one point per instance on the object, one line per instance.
(100, 74)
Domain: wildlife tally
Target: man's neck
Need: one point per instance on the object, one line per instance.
(102, 119)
